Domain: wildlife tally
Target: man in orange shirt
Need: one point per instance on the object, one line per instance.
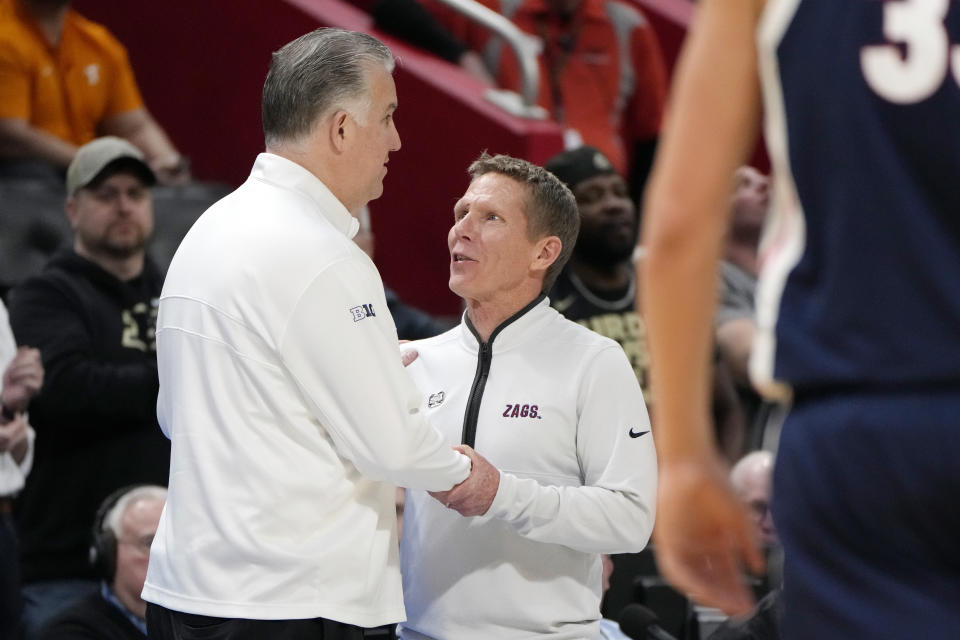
(65, 80)
(602, 74)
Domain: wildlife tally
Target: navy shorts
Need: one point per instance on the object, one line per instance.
(867, 505)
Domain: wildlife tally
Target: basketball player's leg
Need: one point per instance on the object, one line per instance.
(865, 504)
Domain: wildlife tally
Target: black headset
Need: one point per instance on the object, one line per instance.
(103, 550)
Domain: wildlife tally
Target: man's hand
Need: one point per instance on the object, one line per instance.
(171, 169)
(408, 356)
(703, 536)
(22, 379)
(473, 496)
(13, 438)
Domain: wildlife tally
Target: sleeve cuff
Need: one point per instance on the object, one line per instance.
(500, 506)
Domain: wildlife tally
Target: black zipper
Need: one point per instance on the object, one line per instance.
(484, 360)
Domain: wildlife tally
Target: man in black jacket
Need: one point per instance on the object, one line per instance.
(91, 313)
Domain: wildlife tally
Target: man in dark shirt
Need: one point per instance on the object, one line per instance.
(91, 313)
(598, 287)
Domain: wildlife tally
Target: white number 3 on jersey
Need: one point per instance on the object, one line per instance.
(918, 24)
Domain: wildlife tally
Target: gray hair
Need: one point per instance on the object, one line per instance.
(550, 207)
(113, 518)
(315, 74)
(756, 461)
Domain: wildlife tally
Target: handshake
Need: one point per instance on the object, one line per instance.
(473, 496)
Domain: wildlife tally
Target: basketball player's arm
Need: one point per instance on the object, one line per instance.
(703, 536)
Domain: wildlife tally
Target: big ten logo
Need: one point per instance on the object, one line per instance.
(140, 326)
(522, 411)
(918, 56)
(361, 312)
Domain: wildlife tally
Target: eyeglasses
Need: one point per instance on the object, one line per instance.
(759, 508)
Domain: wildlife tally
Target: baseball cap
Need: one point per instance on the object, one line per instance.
(576, 165)
(109, 152)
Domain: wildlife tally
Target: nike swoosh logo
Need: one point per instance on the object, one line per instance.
(637, 434)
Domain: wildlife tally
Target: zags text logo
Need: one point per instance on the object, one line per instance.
(522, 411)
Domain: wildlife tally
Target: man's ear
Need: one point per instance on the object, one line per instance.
(549, 249)
(71, 209)
(339, 129)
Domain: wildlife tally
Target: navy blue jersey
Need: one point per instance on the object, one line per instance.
(860, 281)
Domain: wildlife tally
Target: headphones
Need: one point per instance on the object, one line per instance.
(103, 550)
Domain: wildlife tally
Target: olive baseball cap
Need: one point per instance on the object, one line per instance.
(109, 153)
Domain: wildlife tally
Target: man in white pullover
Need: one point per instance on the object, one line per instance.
(556, 407)
(281, 387)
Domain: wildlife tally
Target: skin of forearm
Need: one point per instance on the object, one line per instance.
(677, 300)
(684, 226)
(142, 130)
(19, 140)
(735, 339)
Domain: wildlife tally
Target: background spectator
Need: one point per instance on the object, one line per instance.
(408, 19)
(602, 74)
(65, 80)
(22, 379)
(751, 478)
(598, 287)
(736, 322)
(91, 313)
(122, 533)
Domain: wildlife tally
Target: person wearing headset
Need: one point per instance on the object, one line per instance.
(122, 533)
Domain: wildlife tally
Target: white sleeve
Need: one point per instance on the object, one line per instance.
(12, 475)
(347, 365)
(613, 511)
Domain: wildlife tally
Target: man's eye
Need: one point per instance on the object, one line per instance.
(587, 198)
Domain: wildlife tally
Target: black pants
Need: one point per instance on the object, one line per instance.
(165, 624)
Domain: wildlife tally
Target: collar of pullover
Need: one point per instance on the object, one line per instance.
(287, 174)
(517, 329)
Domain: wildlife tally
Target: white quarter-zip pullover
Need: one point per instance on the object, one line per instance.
(290, 415)
(558, 409)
